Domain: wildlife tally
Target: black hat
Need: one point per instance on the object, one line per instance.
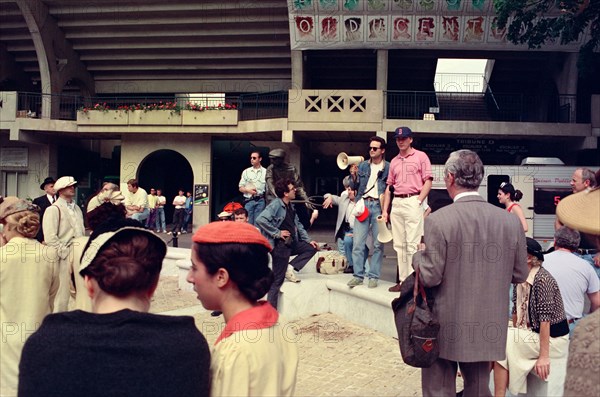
(47, 181)
(534, 248)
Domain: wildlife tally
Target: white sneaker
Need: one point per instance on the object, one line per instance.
(290, 276)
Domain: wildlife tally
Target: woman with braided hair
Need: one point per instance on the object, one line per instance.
(28, 284)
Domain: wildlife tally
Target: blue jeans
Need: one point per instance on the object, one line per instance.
(589, 258)
(141, 216)
(160, 219)
(361, 232)
(340, 246)
(186, 219)
(349, 245)
(254, 208)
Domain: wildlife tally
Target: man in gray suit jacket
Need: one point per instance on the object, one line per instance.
(473, 251)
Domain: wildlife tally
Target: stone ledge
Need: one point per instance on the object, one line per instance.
(319, 293)
(174, 255)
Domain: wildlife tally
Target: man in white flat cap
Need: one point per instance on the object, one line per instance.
(62, 223)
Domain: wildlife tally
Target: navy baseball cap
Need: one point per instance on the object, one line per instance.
(403, 132)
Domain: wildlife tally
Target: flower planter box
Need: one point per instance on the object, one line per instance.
(154, 117)
(210, 117)
(98, 117)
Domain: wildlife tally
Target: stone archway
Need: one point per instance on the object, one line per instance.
(169, 171)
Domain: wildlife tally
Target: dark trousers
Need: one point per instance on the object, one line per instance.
(281, 257)
(178, 219)
(439, 380)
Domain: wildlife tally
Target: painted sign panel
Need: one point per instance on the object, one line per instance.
(381, 24)
(201, 195)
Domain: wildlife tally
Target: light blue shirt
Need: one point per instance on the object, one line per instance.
(255, 176)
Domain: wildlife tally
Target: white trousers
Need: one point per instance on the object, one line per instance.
(407, 228)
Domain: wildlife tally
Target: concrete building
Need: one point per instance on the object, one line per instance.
(313, 77)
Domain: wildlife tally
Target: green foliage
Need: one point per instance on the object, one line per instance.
(539, 22)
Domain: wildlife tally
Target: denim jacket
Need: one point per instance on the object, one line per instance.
(364, 173)
(272, 217)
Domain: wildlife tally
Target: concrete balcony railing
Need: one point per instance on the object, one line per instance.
(307, 109)
(338, 106)
(158, 117)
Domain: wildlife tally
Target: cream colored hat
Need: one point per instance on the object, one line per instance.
(581, 211)
(224, 214)
(101, 238)
(63, 182)
(109, 196)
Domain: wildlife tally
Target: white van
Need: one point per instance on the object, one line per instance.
(543, 181)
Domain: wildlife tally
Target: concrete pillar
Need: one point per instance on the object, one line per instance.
(297, 70)
(566, 78)
(57, 60)
(382, 134)
(382, 70)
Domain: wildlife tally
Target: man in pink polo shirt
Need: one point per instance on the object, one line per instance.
(409, 182)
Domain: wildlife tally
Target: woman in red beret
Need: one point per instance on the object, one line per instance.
(230, 273)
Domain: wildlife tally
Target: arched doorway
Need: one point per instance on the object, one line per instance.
(169, 171)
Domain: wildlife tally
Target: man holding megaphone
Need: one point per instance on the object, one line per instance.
(369, 182)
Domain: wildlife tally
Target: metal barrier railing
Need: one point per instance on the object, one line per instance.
(486, 106)
(409, 104)
(65, 107)
(269, 105)
(399, 105)
(30, 105)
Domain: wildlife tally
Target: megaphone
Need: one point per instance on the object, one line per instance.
(384, 235)
(343, 160)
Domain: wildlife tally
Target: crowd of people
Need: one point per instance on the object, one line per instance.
(80, 300)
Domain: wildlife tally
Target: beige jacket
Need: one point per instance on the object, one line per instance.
(78, 290)
(261, 362)
(28, 284)
(60, 227)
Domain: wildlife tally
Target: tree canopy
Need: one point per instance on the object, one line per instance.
(537, 22)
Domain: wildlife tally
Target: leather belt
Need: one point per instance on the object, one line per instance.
(370, 198)
(254, 198)
(587, 251)
(573, 320)
(406, 195)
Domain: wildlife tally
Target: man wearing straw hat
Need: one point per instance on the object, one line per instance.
(584, 180)
(581, 211)
(63, 222)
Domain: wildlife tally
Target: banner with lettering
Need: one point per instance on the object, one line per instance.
(388, 24)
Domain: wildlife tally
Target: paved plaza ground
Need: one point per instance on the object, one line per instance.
(337, 358)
